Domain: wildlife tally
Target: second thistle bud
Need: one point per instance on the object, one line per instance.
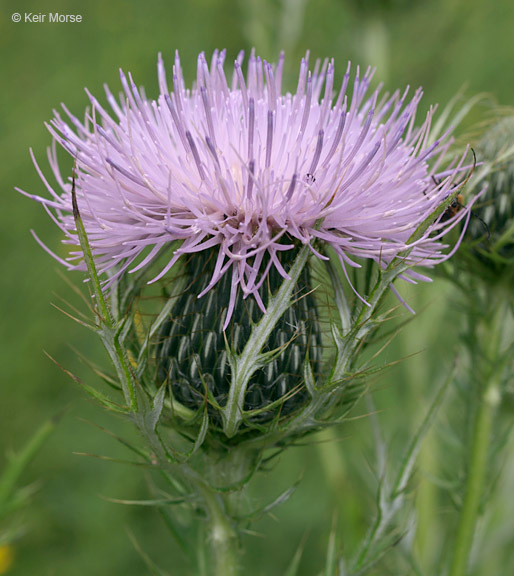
(488, 250)
(497, 206)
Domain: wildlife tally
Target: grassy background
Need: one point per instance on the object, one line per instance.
(70, 529)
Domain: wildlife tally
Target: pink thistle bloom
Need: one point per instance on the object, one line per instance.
(239, 167)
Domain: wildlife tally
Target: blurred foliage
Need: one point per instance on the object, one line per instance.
(72, 529)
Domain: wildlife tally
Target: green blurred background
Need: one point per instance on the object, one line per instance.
(71, 528)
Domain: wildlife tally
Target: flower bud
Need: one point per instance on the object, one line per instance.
(496, 208)
(191, 350)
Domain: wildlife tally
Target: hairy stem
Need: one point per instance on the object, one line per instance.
(222, 537)
(475, 480)
(489, 399)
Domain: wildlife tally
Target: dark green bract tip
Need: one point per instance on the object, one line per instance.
(191, 348)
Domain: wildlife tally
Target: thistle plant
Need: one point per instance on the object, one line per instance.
(238, 243)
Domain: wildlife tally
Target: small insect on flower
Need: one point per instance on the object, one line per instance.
(454, 208)
(458, 202)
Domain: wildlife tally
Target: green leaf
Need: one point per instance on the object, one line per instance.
(157, 502)
(138, 451)
(340, 297)
(414, 447)
(158, 403)
(108, 331)
(150, 564)
(243, 365)
(104, 400)
(332, 560)
(293, 568)
(281, 499)
(443, 121)
(17, 464)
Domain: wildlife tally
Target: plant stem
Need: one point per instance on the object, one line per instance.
(222, 536)
(475, 480)
(481, 436)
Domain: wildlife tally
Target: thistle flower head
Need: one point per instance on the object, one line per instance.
(239, 167)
